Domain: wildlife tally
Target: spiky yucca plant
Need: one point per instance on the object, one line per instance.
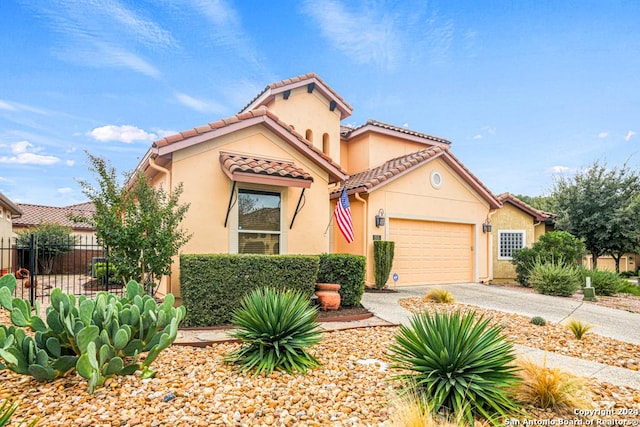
(553, 388)
(441, 296)
(578, 328)
(6, 411)
(276, 328)
(462, 365)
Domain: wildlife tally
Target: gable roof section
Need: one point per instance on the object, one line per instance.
(7, 204)
(261, 116)
(391, 130)
(538, 215)
(33, 215)
(273, 89)
(372, 179)
(244, 168)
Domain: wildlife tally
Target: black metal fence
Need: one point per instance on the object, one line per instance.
(71, 264)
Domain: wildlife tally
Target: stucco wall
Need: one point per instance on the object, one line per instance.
(310, 111)
(208, 188)
(509, 218)
(372, 149)
(413, 197)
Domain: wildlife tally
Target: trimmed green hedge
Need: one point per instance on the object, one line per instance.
(348, 271)
(213, 285)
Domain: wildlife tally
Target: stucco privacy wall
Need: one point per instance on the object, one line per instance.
(510, 218)
(303, 111)
(412, 196)
(208, 188)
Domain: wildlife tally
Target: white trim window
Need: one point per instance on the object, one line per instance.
(510, 241)
(259, 222)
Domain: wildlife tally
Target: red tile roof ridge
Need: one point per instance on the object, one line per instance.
(346, 130)
(35, 214)
(539, 214)
(297, 79)
(261, 111)
(372, 177)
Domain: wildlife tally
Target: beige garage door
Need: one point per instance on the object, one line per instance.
(430, 252)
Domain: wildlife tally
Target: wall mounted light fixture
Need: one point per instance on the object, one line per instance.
(380, 218)
(486, 226)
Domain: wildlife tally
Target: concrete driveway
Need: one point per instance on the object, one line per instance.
(618, 324)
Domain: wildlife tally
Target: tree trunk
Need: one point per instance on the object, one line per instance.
(617, 261)
(594, 260)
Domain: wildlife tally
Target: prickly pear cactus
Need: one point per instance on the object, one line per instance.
(100, 337)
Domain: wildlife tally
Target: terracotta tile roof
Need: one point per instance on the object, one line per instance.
(536, 213)
(298, 81)
(349, 132)
(371, 178)
(263, 113)
(261, 166)
(32, 215)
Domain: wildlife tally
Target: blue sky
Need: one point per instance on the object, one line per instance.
(524, 90)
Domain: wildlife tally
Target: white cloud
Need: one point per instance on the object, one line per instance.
(227, 29)
(65, 190)
(369, 36)
(165, 132)
(199, 104)
(103, 33)
(478, 136)
(70, 162)
(603, 134)
(630, 135)
(25, 153)
(125, 133)
(559, 170)
(15, 106)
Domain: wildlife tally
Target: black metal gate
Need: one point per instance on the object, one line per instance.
(78, 265)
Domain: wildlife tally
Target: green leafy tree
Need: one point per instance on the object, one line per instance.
(596, 205)
(138, 223)
(51, 240)
(556, 246)
(542, 203)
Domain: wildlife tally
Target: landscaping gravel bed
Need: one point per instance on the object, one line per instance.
(194, 387)
(554, 337)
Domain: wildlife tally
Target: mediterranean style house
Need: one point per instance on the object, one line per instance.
(267, 181)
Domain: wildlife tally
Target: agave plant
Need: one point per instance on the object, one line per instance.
(459, 363)
(578, 328)
(276, 328)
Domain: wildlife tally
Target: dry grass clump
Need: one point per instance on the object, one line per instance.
(578, 328)
(553, 388)
(441, 296)
(411, 410)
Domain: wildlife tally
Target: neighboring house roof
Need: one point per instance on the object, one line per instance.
(269, 93)
(384, 128)
(246, 168)
(538, 215)
(33, 215)
(262, 115)
(7, 204)
(371, 179)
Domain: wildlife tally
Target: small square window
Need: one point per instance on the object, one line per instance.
(508, 242)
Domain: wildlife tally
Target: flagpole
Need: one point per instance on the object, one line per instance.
(328, 225)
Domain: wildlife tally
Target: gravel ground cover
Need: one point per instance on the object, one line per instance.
(194, 387)
(554, 337)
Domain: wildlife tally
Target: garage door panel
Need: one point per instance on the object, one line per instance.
(432, 252)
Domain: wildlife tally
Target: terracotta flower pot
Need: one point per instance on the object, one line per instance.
(328, 296)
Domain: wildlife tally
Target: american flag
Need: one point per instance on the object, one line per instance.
(343, 216)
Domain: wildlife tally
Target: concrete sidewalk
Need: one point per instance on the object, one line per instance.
(617, 324)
